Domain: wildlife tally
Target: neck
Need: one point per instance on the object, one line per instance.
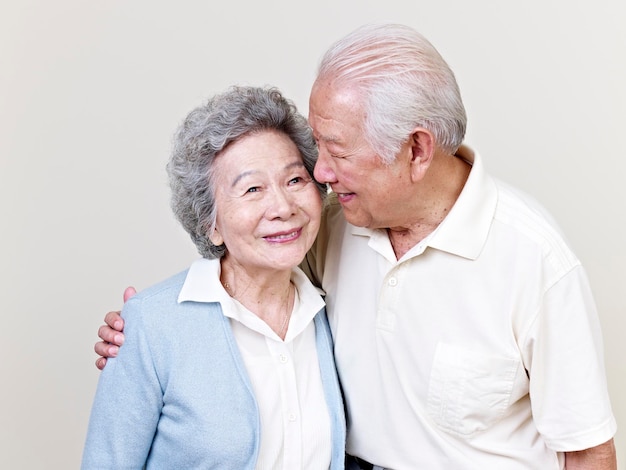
(434, 198)
(269, 295)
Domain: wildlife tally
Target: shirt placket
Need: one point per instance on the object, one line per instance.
(292, 429)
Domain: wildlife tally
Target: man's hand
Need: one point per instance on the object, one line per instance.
(601, 457)
(111, 333)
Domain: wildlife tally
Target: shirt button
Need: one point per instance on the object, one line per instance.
(392, 281)
(292, 417)
(283, 358)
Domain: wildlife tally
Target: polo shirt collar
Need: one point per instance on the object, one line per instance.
(464, 231)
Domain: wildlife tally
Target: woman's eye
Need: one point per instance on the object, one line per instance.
(253, 189)
(295, 180)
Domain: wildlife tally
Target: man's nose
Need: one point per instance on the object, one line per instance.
(323, 172)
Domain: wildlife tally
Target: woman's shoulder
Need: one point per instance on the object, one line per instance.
(163, 291)
(160, 304)
(158, 300)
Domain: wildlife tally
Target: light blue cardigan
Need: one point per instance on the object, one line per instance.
(178, 395)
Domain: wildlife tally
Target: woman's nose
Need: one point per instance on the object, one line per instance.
(282, 204)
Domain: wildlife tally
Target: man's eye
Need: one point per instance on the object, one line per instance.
(253, 189)
(295, 180)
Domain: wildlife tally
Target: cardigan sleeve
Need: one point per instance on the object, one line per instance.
(128, 401)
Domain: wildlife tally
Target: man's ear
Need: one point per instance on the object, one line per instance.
(423, 151)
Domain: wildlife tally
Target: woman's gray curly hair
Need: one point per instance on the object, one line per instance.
(209, 129)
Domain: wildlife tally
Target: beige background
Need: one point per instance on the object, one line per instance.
(91, 91)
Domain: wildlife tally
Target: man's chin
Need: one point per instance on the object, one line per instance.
(355, 218)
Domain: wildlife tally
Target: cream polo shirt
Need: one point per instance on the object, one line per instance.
(285, 375)
(479, 349)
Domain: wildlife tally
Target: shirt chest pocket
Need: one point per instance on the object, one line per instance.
(468, 390)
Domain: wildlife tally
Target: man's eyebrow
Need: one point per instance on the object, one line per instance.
(328, 138)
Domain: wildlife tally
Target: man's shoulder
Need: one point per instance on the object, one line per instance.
(332, 220)
(524, 214)
(331, 205)
(332, 215)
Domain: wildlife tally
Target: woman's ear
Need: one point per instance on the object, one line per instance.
(216, 238)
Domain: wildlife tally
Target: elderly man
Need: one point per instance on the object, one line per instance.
(466, 335)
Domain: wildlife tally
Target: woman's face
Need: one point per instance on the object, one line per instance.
(268, 206)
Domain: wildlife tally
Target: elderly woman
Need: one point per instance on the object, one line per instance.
(229, 364)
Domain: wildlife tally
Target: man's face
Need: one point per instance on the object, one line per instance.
(370, 192)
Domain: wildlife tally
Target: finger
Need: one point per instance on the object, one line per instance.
(106, 350)
(115, 321)
(109, 335)
(129, 292)
(101, 362)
